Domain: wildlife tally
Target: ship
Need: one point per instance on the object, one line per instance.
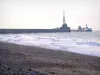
(63, 28)
(84, 29)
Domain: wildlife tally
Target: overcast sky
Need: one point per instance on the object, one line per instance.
(49, 13)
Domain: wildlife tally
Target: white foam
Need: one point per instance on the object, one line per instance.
(69, 43)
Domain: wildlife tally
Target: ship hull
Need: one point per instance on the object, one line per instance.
(4, 31)
(88, 30)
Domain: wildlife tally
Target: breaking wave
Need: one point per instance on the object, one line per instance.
(68, 42)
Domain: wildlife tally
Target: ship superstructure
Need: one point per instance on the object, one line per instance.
(84, 29)
(64, 25)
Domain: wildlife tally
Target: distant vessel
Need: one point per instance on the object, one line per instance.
(84, 29)
(63, 28)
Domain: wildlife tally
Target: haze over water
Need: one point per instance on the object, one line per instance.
(49, 13)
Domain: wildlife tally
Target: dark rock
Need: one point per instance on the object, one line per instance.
(20, 69)
(2, 70)
(52, 72)
(9, 69)
(29, 69)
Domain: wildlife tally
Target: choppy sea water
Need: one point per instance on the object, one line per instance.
(79, 42)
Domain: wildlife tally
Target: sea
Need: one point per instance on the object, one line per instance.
(87, 43)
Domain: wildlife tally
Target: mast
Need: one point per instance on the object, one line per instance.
(64, 17)
(64, 25)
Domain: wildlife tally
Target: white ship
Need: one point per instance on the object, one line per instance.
(84, 29)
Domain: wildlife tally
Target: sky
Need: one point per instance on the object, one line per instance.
(49, 13)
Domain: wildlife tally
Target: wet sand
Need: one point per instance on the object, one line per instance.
(48, 61)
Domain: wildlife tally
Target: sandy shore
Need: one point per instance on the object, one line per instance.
(51, 62)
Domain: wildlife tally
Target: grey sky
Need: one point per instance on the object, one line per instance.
(48, 13)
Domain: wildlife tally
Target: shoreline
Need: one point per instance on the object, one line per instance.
(48, 60)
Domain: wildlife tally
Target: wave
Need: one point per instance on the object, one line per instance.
(72, 44)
